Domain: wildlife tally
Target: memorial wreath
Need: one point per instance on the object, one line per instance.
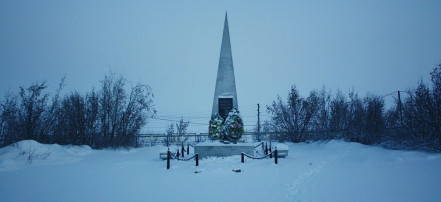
(229, 130)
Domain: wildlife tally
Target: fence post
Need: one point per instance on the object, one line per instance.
(182, 150)
(188, 149)
(242, 158)
(197, 159)
(266, 148)
(270, 151)
(177, 154)
(168, 159)
(275, 156)
(263, 146)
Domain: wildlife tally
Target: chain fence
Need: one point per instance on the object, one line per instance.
(194, 138)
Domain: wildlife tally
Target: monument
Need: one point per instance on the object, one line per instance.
(226, 124)
(225, 96)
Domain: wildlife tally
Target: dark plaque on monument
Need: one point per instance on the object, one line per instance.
(225, 106)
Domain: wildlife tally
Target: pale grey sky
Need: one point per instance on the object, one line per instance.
(371, 46)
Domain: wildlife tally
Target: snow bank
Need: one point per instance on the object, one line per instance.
(281, 146)
(30, 152)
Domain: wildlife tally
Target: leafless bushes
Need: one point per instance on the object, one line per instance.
(417, 121)
(110, 117)
(293, 119)
(414, 124)
(181, 129)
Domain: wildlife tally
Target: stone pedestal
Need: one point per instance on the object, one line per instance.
(218, 149)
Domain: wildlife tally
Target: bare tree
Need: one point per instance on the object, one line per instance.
(51, 115)
(135, 113)
(112, 101)
(170, 131)
(123, 114)
(418, 110)
(293, 119)
(374, 120)
(91, 119)
(33, 104)
(73, 110)
(436, 94)
(9, 122)
(338, 114)
(321, 120)
(355, 119)
(181, 129)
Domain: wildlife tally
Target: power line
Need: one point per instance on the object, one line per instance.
(179, 120)
(389, 94)
(396, 92)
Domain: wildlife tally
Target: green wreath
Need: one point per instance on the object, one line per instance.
(233, 126)
(215, 127)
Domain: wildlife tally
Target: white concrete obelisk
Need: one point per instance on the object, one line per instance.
(225, 96)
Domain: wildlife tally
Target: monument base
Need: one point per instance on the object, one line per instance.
(218, 149)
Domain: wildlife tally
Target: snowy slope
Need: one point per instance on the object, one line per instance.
(332, 171)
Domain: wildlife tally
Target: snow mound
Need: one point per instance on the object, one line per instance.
(27, 152)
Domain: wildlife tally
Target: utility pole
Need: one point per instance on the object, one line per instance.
(258, 122)
(400, 108)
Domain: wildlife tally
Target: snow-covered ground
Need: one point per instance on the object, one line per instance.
(327, 171)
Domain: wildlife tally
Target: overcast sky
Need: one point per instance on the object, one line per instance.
(371, 46)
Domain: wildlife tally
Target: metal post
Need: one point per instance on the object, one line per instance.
(266, 148)
(258, 122)
(168, 159)
(242, 158)
(182, 150)
(188, 149)
(275, 156)
(271, 153)
(197, 159)
(177, 154)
